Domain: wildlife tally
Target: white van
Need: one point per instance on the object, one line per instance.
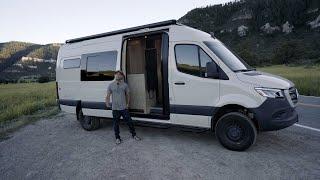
(177, 75)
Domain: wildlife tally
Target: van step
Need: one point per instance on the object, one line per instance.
(167, 126)
(156, 110)
(192, 129)
(151, 124)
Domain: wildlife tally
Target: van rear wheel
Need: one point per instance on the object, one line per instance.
(89, 123)
(235, 131)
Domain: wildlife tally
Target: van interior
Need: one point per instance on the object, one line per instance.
(141, 62)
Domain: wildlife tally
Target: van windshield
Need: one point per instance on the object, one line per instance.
(234, 62)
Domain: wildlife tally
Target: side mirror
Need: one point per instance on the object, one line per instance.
(212, 70)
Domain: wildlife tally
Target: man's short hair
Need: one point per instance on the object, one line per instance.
(118, 71)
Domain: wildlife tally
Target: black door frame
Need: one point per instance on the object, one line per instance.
(164, 61)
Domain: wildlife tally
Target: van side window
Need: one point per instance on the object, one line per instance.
(101, 66)
(191, 59)
(204, 59)
(71, 63)
(187, 59)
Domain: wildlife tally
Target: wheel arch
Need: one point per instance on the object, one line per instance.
(219, 112)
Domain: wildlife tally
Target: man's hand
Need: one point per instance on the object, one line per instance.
(127, 106)
(108, 100)
(108, 105)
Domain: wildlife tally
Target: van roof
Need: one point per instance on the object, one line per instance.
(153, 25)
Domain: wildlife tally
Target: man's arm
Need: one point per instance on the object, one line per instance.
(109, 92)
(108, 99)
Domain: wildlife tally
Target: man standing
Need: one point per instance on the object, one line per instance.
(120, 104)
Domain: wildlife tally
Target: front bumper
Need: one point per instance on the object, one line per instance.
(275, 114)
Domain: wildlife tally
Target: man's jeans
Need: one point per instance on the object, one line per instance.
(126, 117)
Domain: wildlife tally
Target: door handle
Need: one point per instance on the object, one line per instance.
(180, 83)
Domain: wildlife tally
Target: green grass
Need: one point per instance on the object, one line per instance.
(306, 79)
(25, 99)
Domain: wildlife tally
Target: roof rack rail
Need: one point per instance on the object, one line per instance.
(153, 25)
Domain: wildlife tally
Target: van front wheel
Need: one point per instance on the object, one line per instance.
(89, 123)
(235, 131)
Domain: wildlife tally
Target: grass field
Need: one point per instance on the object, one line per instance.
(24, 99)
(306, 79)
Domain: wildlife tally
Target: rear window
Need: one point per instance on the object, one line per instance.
(71, 63)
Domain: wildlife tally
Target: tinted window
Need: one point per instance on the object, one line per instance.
(101, 66)
(229, 58)
(71, 63)
(187, 58)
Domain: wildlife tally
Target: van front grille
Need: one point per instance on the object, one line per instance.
(293, 95)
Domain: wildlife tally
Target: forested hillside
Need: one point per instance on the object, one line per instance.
(264, 31)
(11, 52)
(11, 66)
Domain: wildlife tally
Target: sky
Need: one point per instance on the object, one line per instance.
(54, 21)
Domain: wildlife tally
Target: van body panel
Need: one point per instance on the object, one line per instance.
(190, 120)
(185, 33)
(239, 93)
(97, 112)
(262, 79)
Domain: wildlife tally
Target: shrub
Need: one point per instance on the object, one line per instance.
(43, 79)
(249, 57)
(289, 52)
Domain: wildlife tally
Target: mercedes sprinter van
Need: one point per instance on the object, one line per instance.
(177, 75)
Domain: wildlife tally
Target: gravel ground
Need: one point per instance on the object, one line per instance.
(58, 148)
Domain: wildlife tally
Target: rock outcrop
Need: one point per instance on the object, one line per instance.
(315, 23)
(242, 17)
(268, 29)
(242, 30)
(287, 28)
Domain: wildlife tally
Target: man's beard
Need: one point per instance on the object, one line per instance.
(119, 78)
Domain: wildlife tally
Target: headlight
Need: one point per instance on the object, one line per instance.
(271, 93)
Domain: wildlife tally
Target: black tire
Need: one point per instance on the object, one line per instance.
(235, 131)
(89, 123)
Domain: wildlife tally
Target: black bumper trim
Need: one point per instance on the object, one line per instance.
(68, 102)
(94, 105)
(275, 114)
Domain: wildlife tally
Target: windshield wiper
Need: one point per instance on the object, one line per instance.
(245, 70)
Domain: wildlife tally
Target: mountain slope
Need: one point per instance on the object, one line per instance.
(12, 52)
(264, 31)
(12, 68)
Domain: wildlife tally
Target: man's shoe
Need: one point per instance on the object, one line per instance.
(136, 138)
(118, 141)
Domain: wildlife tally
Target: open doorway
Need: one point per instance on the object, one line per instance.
(143, 66)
